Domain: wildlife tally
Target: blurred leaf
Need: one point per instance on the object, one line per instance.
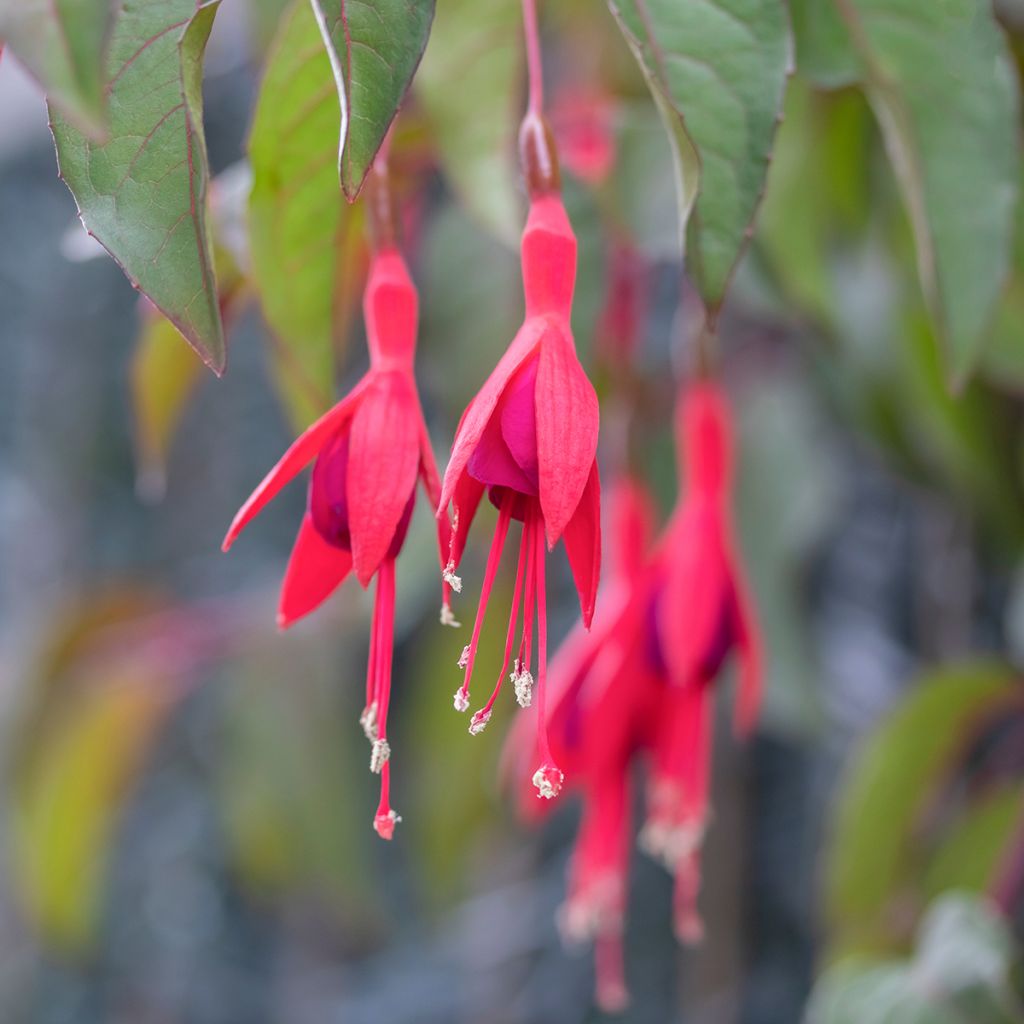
(824, 52)
(67, 797)
(292, 770)
(960, 974)
(306, 245)
(874, 863)
(958, 436)
(973, 848)
(375, 47)
(142, 194)
(61, 43)
(941, 82)
(642, 179)
(469, 83)
(817, 195)
(163, 376)
(718, 74)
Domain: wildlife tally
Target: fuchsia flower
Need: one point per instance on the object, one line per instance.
(529, 438)
(583, 124)
(369, 450)
(638, 686)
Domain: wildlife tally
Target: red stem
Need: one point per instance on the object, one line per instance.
(533, 61)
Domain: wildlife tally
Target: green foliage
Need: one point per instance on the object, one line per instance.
(718, 73)
(305, 242)
(62, 43)
(374, 50)
(880, 857)
(469, 84)
(960, 973)
(142, 193)
(941, 81)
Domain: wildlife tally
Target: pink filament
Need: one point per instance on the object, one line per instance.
(542, 643)
(524, 552)
(381, 659)
(493, 559)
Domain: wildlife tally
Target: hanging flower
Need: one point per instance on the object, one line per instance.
(637, 688)
(701, 614)
(529, 438)
(368, 453)
(603, 702)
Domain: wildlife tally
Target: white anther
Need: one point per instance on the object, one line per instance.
(464, 657)
(453, 581)
(368, 720)
(548, 781)
(478, 722)
(523, 683)
(379, 755)
(448, 617)
(461, 700)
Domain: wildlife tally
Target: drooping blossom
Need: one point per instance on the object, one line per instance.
(583, 123)
(529, 439)
(368, 454)
(637, 689)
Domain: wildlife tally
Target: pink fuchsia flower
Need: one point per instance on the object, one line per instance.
(583, 122)
(701, 613)
(638, 687)
(603, 700)
(529, 439)
(368, 454)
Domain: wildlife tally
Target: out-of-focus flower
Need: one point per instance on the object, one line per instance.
(583, 124)
(529, 438)
(369, 450)
(638, 686)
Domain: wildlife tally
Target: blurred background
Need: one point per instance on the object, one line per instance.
(186, 809)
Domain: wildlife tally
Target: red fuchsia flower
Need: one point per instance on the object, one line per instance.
(700, 614)
(621, 322)
(369, 450)
(582, 120)
(637, 687)
(529, 438)
(603, 700)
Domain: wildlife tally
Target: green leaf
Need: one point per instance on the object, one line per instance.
(305, 242)
(941, 81)
(717, 70)
(824, 52)
(469, 83)
(374, 47)
(142, 193)
(61, 44)
(960, 974)
(875, 864)
(164, 375)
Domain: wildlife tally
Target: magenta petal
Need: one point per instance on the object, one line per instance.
(478, 413)
(465, 501)
(492, 463)
(519, 421)
(299, 455)
(328, 492)
(582, 539)
(695, 591)
(383, 463)
(314, 571)
(567, 428)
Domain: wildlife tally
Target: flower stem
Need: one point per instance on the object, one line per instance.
(380, 208)
(533, 61)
